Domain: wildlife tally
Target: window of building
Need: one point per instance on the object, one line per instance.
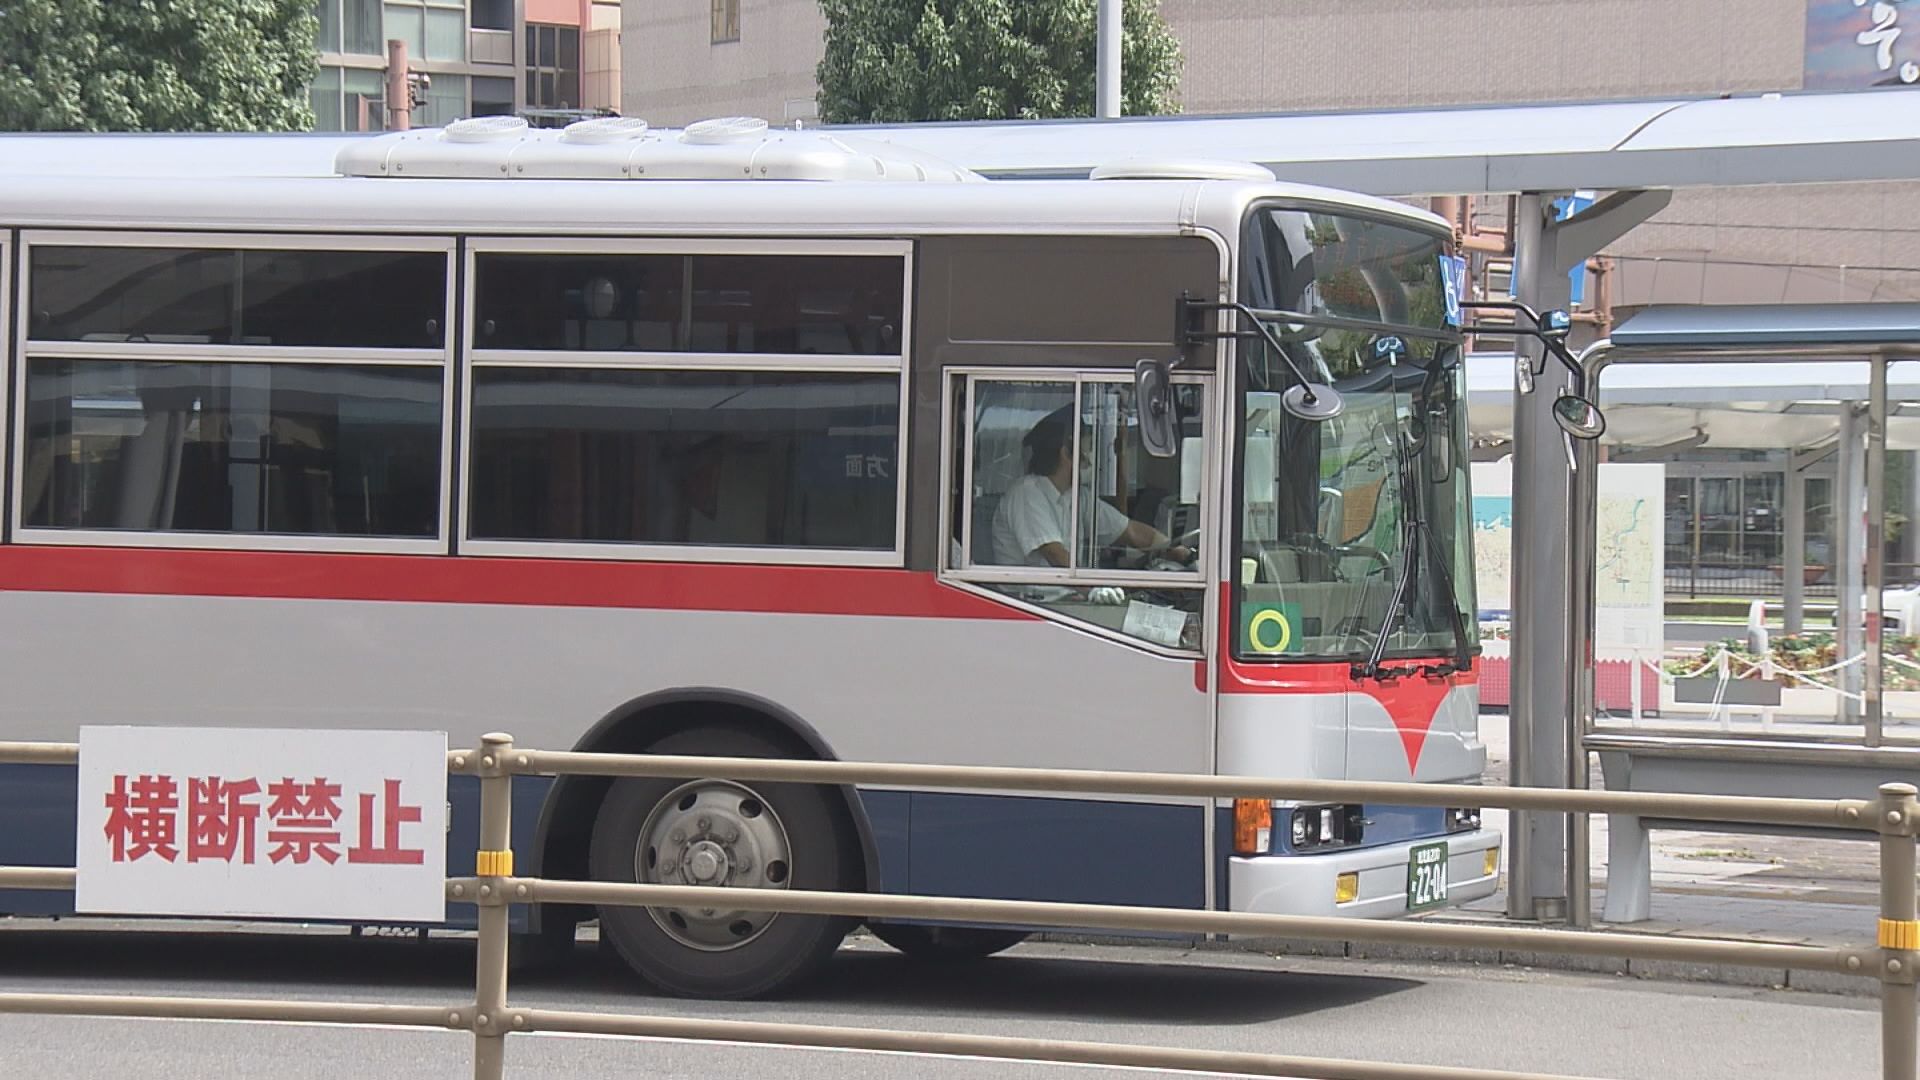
(553, 66)
(433, 29)
(325, 95)
(364, 99)
(726, 21)
(493, 14)
(446, 101)
(492, 96)
(1056, 504)
(848, 305)
(711, 458)
(351, 26)
(270, 390)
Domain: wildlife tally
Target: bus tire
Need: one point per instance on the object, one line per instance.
(946, 944)
(714, 832)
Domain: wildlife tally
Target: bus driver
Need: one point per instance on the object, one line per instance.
(1031, 525)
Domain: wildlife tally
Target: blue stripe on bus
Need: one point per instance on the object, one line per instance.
(39, 806)
(1022, 848)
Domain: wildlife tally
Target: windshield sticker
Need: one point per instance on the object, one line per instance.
(1271, 629)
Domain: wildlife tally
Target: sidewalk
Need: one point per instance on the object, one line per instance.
(1779, 889)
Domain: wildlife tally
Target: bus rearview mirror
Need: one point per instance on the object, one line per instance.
(1312, 403)
(1579, 417)
(1153, 396)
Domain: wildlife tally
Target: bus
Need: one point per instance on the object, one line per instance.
(734, 441)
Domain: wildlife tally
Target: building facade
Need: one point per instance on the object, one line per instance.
(481, 58)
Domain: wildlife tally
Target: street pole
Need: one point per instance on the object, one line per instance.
(399, 93)
(1107, 74)
(1538, 724)
(1549, 653)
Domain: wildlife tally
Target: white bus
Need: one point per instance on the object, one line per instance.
(744, 442)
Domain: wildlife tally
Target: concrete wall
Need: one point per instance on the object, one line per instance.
(1261, 55)
(672, 72)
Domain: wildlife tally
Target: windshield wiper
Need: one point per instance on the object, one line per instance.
(1409, 545)
(1416, 535)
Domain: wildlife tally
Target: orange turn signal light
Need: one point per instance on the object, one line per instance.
(1252, 826)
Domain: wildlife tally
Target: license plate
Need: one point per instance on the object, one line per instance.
(1427, 876)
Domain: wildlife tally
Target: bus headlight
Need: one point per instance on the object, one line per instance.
(1327, 826)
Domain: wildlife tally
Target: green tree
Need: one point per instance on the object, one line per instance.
(890, 61)
(156, 65)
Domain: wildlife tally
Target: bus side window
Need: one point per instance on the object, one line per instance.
(1058, 490)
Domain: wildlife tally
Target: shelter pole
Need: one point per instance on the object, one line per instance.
(1793, 572)
(1876, 541)
(1849, 512)
(1582, 553)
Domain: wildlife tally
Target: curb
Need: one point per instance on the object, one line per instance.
(1766, 978)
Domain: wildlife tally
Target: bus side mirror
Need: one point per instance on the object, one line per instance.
(1312, 403)
(1153, 395)
(1556, 325)
(1579, 417)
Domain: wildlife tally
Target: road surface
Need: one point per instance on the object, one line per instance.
(1601, 1026)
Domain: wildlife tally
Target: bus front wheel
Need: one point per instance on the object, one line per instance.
(722, 834)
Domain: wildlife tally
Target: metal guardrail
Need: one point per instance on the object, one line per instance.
(490, 1017)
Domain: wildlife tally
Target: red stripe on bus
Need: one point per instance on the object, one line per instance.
(797, 590)
(1411, 701)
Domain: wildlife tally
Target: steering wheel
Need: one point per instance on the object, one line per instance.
(1337, 554)
(1382, 564)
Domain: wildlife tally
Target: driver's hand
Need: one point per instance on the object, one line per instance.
(1180, 553)
(1107, 595)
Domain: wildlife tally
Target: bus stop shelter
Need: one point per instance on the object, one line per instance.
(1805, 347)
(1665, 406)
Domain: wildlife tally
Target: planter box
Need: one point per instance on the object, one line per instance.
(1745, 693)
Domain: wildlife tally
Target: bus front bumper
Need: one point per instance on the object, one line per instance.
(1309, 884)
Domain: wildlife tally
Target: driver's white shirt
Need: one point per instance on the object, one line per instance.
(1034, 513)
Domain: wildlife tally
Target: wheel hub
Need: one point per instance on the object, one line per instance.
(713, 834)
(707, 864)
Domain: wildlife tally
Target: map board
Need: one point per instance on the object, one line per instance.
(1630, 590)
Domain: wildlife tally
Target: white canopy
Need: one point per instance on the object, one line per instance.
(1762, 405)
(1675, 143)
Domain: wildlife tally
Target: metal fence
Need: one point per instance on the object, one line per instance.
(1758, 578)
(491, 1018)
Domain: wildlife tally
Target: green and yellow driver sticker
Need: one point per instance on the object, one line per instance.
(1270, 628)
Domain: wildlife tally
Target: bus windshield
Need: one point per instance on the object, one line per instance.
(1354, 529)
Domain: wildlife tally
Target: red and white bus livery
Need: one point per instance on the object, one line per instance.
(743, 442)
